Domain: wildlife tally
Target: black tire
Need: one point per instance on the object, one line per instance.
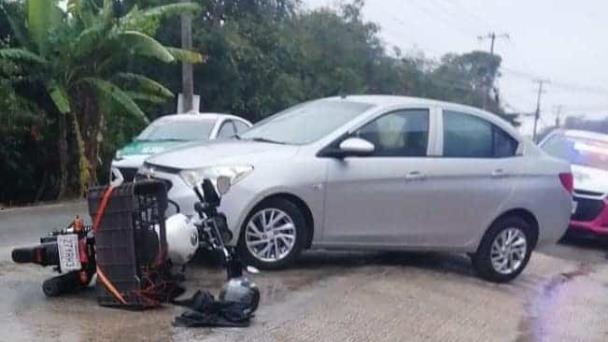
(65, 283)
(482, 262)
(299, 223)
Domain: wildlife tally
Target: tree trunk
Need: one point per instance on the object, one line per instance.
(90, 132)
(62, 152)
(86, 127)
(83, 167)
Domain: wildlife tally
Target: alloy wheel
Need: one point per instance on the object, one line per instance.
(509, 250)
(270, 235)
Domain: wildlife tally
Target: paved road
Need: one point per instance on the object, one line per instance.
(329, 297)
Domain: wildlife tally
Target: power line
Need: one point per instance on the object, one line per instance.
(471, 14)
(450, 16)
(558, 84)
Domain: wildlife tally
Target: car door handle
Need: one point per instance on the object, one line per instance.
(415, 175)
(498, 173)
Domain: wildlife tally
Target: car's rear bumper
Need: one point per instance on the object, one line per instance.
(596, 226)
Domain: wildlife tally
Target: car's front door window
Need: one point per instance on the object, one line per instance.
(403, 133)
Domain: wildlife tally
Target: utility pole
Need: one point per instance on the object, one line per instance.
(537, 113)
(558, 114)
(489, 83)
(187, 77)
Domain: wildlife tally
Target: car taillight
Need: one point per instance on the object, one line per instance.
(567, 181)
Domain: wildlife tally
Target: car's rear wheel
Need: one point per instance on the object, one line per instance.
(504, 250)
(272, 236)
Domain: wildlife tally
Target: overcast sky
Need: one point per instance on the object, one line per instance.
(560, 40)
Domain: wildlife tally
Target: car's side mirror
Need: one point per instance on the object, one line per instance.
(356, 147)
(349, 147)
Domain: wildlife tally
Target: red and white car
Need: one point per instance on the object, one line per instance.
(588, 154)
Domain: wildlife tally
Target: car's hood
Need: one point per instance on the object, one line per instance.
(148, 147)
(590, 179)
(221, 153)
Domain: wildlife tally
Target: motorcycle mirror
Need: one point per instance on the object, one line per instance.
(117, 178)
(222, 184)
(252, 270)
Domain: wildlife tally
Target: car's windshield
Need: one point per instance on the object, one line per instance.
(579, 151)
(177, 130)
(306, 123)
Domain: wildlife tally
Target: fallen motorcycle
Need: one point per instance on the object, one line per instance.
(80, 252)
(71, 251)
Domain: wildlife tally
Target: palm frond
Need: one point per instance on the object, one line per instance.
(186, 55)
(136, 16)
(60, 97)
(117, 96)
(21, 54)
(146, 84)
(145, 45)
(142, 97)
(88, 39)
(42, 17)
(83, 10)
(17, 28)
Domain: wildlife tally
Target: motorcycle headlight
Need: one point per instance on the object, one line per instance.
(233, 174)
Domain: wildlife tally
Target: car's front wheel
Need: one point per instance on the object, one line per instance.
(504, 250)
(272, 236)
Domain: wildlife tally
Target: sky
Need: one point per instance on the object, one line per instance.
(561, 41)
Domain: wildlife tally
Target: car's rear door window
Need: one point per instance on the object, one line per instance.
(403, 133)
(468, 136)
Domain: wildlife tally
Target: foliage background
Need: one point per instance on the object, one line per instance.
(260, 56)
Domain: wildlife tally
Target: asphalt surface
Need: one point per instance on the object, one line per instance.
(561, 296)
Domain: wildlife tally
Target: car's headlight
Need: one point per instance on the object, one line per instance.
(234, 173)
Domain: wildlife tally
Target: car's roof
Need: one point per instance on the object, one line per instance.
(393, 100)
(194, 116)
(574, 133)
(385, 101)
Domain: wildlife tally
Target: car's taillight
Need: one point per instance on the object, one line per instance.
(567, 181)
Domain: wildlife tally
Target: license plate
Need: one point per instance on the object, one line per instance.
(574, 207)
(69, 258)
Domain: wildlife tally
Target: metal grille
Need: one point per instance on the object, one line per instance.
(587, 209)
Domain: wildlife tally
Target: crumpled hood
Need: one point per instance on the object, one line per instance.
(139, 147)
(222, 153)
(590, 179)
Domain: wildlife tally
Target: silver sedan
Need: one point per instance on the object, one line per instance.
(383, 173)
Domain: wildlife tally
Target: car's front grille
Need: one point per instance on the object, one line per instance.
(587, 209)
(128, 173)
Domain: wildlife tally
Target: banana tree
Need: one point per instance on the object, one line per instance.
(80, 57)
